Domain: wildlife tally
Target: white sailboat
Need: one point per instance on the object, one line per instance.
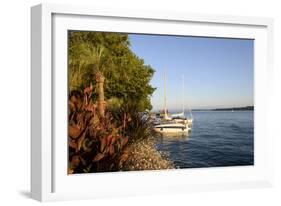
(172, 127)
(176, 123)
(180, 117)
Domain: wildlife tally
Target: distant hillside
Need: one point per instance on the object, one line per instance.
(235, 108)
(247, 108)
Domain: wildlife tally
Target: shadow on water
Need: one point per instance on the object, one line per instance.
(173, 136)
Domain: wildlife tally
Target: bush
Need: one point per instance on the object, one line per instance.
(119, 140)
(95, 143)
(138, 125)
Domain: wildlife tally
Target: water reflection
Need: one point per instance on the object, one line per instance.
(173, 136)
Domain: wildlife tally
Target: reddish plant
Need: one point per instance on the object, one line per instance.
(96, 143)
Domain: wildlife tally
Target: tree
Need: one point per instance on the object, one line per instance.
(108, 55)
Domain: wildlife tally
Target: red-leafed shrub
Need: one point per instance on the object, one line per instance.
(95, 143)
(119, 140)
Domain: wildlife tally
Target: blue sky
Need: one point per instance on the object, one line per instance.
(218, 72)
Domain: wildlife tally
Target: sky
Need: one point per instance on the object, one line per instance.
(215, 72)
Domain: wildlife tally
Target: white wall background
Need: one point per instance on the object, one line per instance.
(15, 101)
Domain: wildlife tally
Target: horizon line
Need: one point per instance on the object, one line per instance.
(205, 108)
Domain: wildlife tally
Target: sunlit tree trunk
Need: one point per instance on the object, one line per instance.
(100, 85)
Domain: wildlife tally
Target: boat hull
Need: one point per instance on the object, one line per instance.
(172, 128)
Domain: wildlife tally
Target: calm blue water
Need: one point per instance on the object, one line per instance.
(218, 138)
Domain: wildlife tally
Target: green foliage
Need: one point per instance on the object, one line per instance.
(127, 76)
(138, 125)
(114, 104)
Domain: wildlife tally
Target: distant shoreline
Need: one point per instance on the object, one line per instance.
(247, 108)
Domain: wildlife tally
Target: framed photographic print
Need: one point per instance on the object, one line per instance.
(137, 102)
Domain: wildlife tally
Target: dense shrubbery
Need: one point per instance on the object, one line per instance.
(95, 142)
(120, 140)
(139, 126)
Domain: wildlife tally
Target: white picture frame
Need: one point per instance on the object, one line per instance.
(49, 179)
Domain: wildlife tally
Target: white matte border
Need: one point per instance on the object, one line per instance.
(58, 185)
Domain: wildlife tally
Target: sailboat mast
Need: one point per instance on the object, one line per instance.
(165, 100)
(183, 95)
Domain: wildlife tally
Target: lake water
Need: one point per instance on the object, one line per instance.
(218, 138)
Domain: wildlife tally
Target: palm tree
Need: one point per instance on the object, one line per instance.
(87, 56)
(100, 87)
